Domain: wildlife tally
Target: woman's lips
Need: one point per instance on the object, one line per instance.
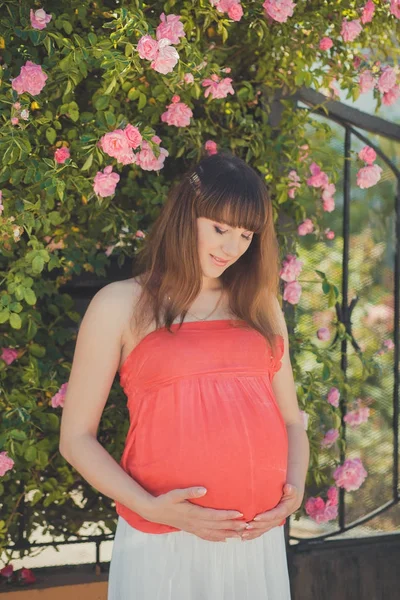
(219, 263)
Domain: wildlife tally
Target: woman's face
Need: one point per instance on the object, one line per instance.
(220, 241)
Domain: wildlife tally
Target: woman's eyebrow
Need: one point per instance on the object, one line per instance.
(227, 225)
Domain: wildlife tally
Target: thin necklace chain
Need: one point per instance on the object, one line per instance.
(211, 313)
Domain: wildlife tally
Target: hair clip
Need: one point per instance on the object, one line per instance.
(194, 180)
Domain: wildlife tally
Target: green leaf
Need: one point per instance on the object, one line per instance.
(15, 321)
(67, 27)
(92, 37)
(37, 264)
(51, 135)
(30, 454)
(17, 434)
(36, 350)
(4, 315)
(142, 101)
(102, 102)
(88, 163)
(30, 296)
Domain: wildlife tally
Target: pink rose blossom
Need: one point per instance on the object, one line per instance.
(304, 152)
(320, 511)
(366, 81)
(17, 105)
(389, 344)
(292, 292)
(117, 144)
(326, 43)
(39, 18)
(9, 354)
(170, 28)
(14, 120)
(330, 235)
(7, 571)
(367, 154)
(395, 8)
(211, 147)
(31, 79)
(279, 10)
(305, 417)
(318, 178)
(330, 438)
(368, 176)
(328, 204)
(323, 334)
(368, 12)
(391, 96)
(166, 58)
(294, 180)
(6, 463)
(133, 136)
(140, 234)
(61, 155)
(147, 47)
(177, 113)
(333, 397)
(235, 11)
(217, 89)
(1, 204)
(305, 227)
(105, 182)
(350, 475)
(59, 397)
(188, 78)
(27, 576)
(328, 191)
(291, 268)
(350, 30)
(333, 496)
(147, 160)
(357, 417)
(387, 80)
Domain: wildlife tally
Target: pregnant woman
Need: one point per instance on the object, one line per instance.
(216, 450)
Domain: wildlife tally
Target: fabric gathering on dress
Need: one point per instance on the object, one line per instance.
(202, 412)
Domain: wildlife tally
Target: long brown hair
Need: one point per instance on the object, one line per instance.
(224, 188)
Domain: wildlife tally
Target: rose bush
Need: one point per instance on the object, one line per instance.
(91, 98)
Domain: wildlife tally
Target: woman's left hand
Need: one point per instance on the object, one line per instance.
(263, 522)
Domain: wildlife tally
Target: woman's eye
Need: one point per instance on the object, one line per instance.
(246, 237)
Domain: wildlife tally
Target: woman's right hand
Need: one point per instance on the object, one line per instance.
(174, 509)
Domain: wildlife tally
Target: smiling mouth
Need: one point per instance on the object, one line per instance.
(218, 260)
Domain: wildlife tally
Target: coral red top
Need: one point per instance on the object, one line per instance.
(203, 413)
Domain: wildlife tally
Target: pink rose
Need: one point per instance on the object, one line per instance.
(328, 191)
(330, 235)
(6, 463)
(387, 80)
(235, 12)
(17, 105)
(27, 576)
(323, 334)
(389, 345)
(368, 176)
(188, 78)
(366, 81)
(328, 204)
(367, 154)
(292, 292)
(105, 182)
(318, 178)
(140, 234)
(279, 10)
(31, 79)
(210, 147)
(291, 268)
(350, 30)
(395, 8)
(61, 155)
(117, 144)
(59, 397)
(319, 511)
(368, 12)
(170, 28)
(357, 417)
(305, 417)
(304, 152)
(350, 475)
(14, 120)
(39, 18)
(9, 354)
(147, 160)
(177, 113)
(333, 496)
(391, 96)
(294, 182)
(147, 47)
(7, 571)
(217, 89)
(133, 136)
(166, 58)
(326, 43)
(330, 438)
(305, 227)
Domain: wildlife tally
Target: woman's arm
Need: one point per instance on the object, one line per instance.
(285, 393)
(95, 363)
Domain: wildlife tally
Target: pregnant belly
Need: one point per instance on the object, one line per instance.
(238, 453)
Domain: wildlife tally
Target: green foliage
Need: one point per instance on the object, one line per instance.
(54, 227)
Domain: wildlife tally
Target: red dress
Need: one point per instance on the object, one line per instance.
(203, 413)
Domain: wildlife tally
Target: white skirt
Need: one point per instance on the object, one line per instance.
(181, 566)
